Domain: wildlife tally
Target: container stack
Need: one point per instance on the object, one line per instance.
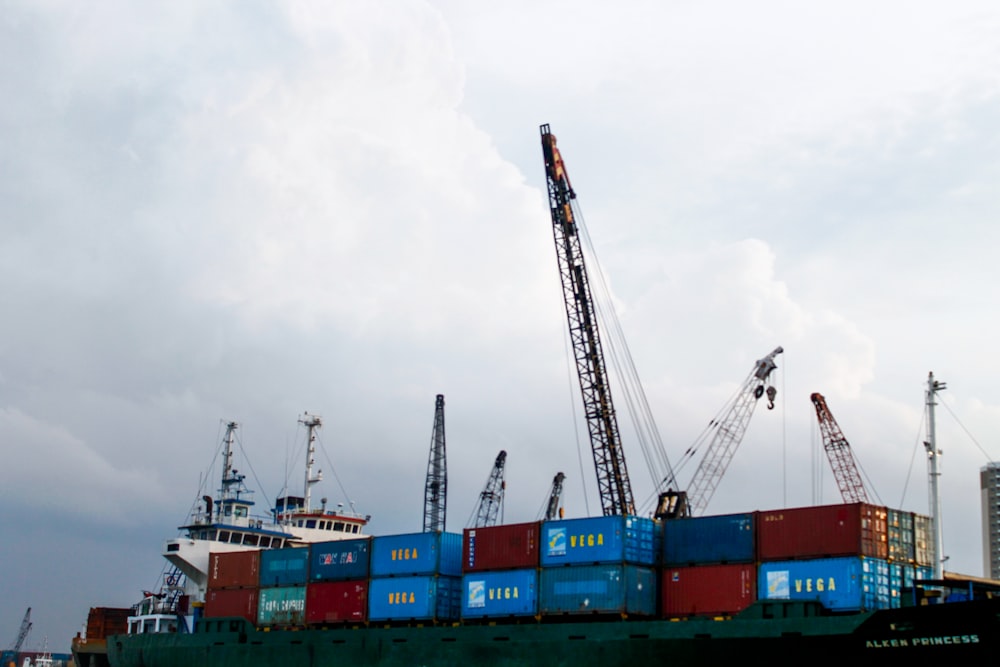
(500, 572)
(709, 566)
(603, 565)
(284, 574)
(233, 584)
(837, 554)
(415, 577)
(338, 582)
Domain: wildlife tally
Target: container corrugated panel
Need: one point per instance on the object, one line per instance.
(853, 529)
(597, 589)
(900, 577)
(606, 539)
(422, 598)
(499, 593)
(839, 584)
(329, 602)
(899, 532)
(339, 560)
(417, 554)
(284, 567)
(234, 569)
(105, 621)
(231, 602)
(923, 539)
(504, 547)
(282, 605)
(708, 590)
(703, 540)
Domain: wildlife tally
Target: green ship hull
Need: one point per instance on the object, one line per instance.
(773, 633)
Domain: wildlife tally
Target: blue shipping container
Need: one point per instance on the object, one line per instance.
(500, 593)
(606, 539)
(708, 540)
(284, 567)
(285, 605)
(424, 598)
(597, 589)
(417, 554)
(339, 560)
(840, 584)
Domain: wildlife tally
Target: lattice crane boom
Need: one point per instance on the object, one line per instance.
(838, 451)
(555, 497)
(436, 486)
(613, 482)
(491, 497)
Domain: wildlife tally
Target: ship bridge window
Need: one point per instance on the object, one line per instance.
(265, 541)
(355, 529)
(239, 511)
(311, 523)
(223, 535)
(250, 539)
(228, 511)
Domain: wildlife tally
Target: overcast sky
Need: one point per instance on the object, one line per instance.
(251, 210)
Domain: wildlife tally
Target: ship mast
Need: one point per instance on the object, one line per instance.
(934, 461)
(311, 422)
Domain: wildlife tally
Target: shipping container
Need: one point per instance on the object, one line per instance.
(329, 602)
(500, 593)
(839, 584)
(282, 605)
(420, 598)
(339, 560)
(105, 621)
(504, 547)
(899, 534)
(231, 602)
(284, 567)
(923, 539)
(704, 540)
(707, 590)
(597, 589)
(234, 569)
(850, 529)
(606, 539)
(417, 554)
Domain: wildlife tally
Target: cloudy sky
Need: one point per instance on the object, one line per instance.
(251, 210)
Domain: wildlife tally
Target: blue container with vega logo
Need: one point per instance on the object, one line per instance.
(416, 553)
(606, 539)
(491, 594)
(852, 583)
(424, 598)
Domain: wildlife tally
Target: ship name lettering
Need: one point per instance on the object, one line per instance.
(588, 540)
(943, 640)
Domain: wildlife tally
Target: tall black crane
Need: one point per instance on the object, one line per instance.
(605, 441)
(436, 487)
(491, 497)
(555, 496)
(838, 450)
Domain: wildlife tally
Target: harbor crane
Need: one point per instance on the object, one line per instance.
(552, 508)
(10, 655)
(724, 434)
(491, 497)
(838, 451)
(613, 482)
(436, 486)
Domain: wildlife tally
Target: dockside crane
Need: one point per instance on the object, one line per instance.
(613, 482)
(491, 497)
(553, 510)
(838, 450)
(10, 655)
(436, 486)
(724, 434)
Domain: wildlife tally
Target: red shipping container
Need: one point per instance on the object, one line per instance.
(234, 569)
(336, 602)
(231, 602)
(505, 547)
(825, 531)
(708, 590)
(105, 621)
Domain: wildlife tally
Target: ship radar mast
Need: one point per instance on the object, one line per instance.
(934, 475)
(311, 422)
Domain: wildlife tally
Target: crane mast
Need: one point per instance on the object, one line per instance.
(728, 432)
(845, 471)
(555, 496)
(605, 441)
(491, 497)
(436, 486)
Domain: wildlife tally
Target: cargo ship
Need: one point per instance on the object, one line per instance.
(852, 583)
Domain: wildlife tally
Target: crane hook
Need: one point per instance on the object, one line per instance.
(771, 393)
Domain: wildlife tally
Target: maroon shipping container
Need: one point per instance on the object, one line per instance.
(825, 531)
(708, 590)
(234, 569)
(231, 602)
(336, 602)
(505, 547)
(105, 621)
